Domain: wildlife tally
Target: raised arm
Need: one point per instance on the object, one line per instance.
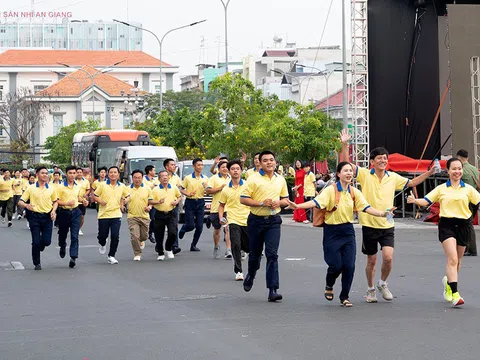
(345, 138)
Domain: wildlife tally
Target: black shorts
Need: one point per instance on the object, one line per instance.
(83, 209)
(371, 237)
(454, 228)
(215, 220)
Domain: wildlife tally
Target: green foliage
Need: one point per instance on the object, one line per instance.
(60, 145)
(234, 118)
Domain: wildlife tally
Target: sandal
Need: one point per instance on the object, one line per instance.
(346, 303)
(329, 293)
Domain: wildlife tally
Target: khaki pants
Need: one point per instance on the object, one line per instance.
(138, 233)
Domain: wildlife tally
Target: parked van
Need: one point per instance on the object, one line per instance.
(129, 158)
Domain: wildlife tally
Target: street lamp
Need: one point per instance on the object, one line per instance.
(92, 78)
(295, 78)
(160, 42)
(225, 8)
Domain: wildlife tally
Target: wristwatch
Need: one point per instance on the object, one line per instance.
(261, 203)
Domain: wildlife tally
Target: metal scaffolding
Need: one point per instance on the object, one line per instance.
(475, 83)
(359, 68)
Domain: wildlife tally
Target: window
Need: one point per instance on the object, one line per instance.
(57, 123)
(157, 89)
(1, 92)
(37, 88)
(71, 31)
(127, 120)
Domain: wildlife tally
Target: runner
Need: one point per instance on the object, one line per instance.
(453, 228)
(174, 180)
(6, 196)
(237, 216)
(85, 184)
(17, 194)
(378, 186)
(152, 181)
(339, 246)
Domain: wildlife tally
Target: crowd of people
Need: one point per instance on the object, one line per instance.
(245, 210)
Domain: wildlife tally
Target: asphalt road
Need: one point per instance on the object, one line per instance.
(190, 307)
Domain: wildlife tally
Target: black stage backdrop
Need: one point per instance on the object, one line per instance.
(391, 27)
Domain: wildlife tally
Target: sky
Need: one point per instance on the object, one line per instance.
(252, 24)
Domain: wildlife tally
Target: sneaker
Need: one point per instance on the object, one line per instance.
(161, 257)
(19, 217)
(457, 300)
(38, 267)
(80, 232)
(102, 249)
(112, 261)
(306, 222)
(142, 245)
(72, 263)
(239, 276)
(371, 296)
(216, 252)
(63, 251)
(151, 238)
(9, 224)
(28, 226)
(387, 295)
(447, 290)
(244, 255)
(137, 258)
(228, 254)
(170, 254)
(176, 250)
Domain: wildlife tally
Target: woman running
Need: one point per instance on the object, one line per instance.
(339, 247)
(453, 228)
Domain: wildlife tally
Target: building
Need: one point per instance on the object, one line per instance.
(207, 73)
(100, 93)
(333, 105)
(189, 82)
(71, 35)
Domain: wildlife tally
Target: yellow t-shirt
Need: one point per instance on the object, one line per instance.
(113, 196)
(171, 194)
(84, 184)
(41, 199)
(379, 195)
(454, 201)
(8, 186)
(237, 213)
(25, 183)
(309, 185)
(175, 180)
(139, 201)
(344, 212)
(66, 193)
(291, 171)
(215, 182)
(193, 183)
(261, 187)
(17, 186)
(151, 182)
(96, 183)
(251, 172)
(55, 185)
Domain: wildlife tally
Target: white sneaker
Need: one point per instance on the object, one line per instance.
(228, 254)
(137, 258)
(19, 217)
(102, 249)
(371, 296)
(170, 254)
(216, 252)
(387, 295)
(161, 257)
(239, 277)
(244, 255)
(142, 245)
(306, 222)
(80, 232)
(111, 260)
(28, 226)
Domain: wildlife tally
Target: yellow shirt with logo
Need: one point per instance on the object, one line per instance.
(237, 213)
(215, 182)
(139, 201)
(309, 185)
(261, 187)
(150, 182)
(96, 183)
(250, 172)
(170, 194)
(344, 213)
(113, 196)
(41, 199)
(7, 187)
(175, 180)
(379, 195)
(17, 186)
(66, 193)
(454, 201)
(84, 184)
(193, 183)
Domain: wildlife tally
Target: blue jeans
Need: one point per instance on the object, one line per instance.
(151, 227)
(194, 213)
(264, 230)
(41, 229)
(113, 226)
(69, 220)
(339, 249)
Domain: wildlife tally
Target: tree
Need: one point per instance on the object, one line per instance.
(60, 145)
(194, 100)
(20, 114)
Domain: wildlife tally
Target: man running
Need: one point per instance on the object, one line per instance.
(151, 181)
(84, 184)
(256, 168)
(6, 196)
(378, 186)
(70, 195)
(42, 207)
(174, 180)
(237, 216)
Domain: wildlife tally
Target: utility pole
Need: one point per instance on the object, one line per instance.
(225, 7)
